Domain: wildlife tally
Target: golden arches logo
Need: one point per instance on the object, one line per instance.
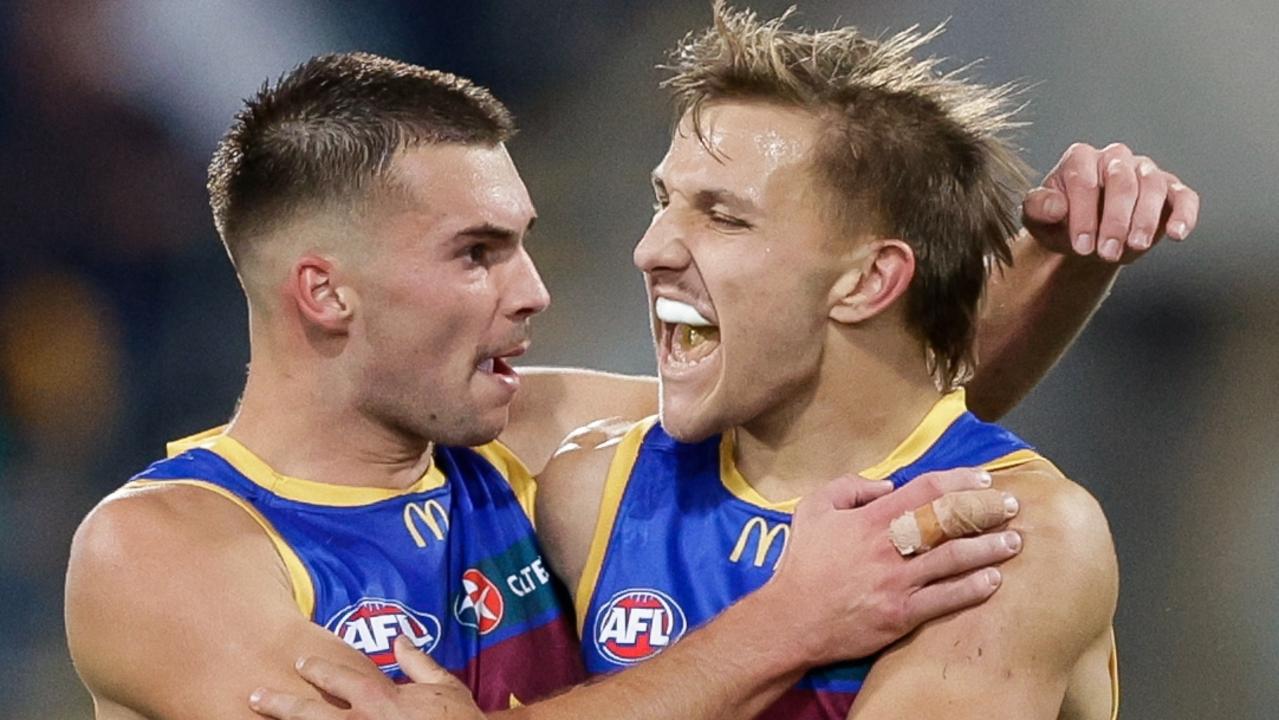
(431, 513)
(767, 535)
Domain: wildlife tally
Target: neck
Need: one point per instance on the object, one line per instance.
(302, 424)
(860, 408)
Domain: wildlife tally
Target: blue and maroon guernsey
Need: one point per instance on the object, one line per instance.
(682, 535)
(451, 562)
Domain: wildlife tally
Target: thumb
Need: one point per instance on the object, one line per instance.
(1044, 206)
(852, 491)
(419, 666)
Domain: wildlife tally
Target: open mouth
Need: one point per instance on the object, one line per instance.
(497, 367)
(688, 337)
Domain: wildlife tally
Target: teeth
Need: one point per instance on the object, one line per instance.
(486, 366)
(695, 336)
(674, 311)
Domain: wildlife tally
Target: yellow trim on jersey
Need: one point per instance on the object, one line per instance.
(619, 474)
(739, 486)
(924, 436)
(517, 475)
(299, 578)
(297, 489)
(1114, 676)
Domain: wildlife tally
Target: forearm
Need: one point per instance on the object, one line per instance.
(1033, 311)
(727, 669)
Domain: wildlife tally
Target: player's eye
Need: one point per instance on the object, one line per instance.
(729, 221)
(477, 253)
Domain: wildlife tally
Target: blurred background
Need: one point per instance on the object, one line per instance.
(121, 324)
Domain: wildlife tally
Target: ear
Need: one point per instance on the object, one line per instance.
(872, 284)
(320, 300)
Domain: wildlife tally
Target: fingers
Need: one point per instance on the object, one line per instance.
(419, 666)
(1185, 210)
(283, 706)
(943, 598)
(851, 491)
(951, 516)
(1149, 210)
(1080, 178)
(927, 488)
(357, 688)
(965, 555)
(1119, 197)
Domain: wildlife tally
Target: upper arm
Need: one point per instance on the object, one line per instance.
(552, 402)
(1013, 655)
(569, 492)
(177, 606)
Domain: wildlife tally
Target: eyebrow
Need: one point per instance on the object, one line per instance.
(708, 198)
(490, 231)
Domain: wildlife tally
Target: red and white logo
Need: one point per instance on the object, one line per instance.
(637, 624)
(480, 603)
(372, 624)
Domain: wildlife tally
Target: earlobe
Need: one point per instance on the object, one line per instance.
(873, 284)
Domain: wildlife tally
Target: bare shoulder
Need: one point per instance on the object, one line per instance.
(552, 402)
(1021, 647)
(570, 490)
(178, 605)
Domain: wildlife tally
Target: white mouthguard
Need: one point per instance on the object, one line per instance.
(674, 311)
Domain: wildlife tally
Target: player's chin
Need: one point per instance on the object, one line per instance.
(689, 417)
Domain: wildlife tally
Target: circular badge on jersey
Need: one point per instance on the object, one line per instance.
(372, 624)
(480, 603)
(636, 624)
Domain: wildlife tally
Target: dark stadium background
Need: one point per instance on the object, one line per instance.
(121, 325)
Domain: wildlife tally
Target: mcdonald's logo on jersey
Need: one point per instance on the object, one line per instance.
(431, 515)
(766, 536)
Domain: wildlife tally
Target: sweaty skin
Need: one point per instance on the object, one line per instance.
(1028, 652)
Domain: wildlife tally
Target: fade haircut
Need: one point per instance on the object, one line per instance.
(907, 151)
(326, 133)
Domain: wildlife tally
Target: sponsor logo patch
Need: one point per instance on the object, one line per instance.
(637, 624)
(480, 603)
(372, 624)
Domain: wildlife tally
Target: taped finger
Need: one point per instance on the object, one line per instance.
(948, 517)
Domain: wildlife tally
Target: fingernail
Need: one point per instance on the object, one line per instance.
(1177, 230)
(994, 577)
(1112, 167)
(1083, 244)
(299, 664)
(1110, 248)
(1012, 541)
(1054, 206)
(984, 479)
(1145, 168)
(1140, 241)
(255, 697)
(1011, 506)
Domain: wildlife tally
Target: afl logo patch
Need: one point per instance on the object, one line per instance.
(636, 624)
(480, 603)
(372, 624)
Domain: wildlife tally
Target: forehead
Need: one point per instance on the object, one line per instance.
(463, 185)
(750, 143)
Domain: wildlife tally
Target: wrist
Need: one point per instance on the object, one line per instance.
(770, 613)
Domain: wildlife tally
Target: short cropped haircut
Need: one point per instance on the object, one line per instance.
(907, 151)
(327, 132)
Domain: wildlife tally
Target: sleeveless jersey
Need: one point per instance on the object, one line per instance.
(451, 562)
(682, 535)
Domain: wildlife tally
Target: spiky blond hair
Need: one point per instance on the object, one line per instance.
(907, 150)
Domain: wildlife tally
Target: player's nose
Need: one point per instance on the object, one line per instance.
(662, 246)
(529, 295)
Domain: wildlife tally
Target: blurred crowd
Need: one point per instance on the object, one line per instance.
(121, 324)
